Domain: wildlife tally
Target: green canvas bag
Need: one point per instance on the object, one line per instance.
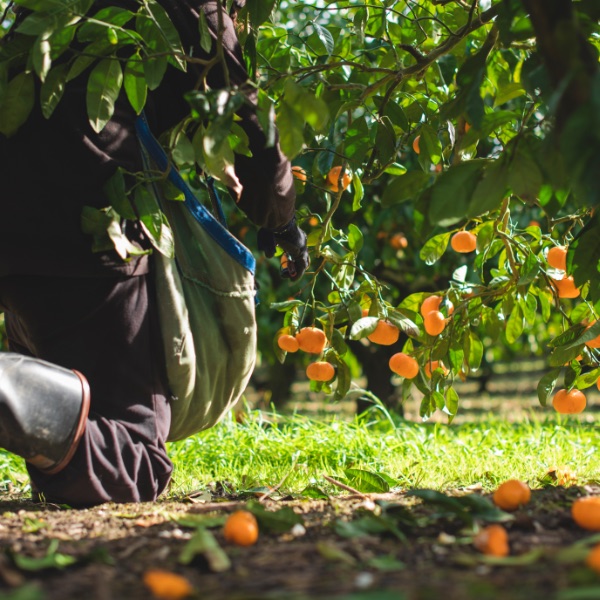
(206, 298)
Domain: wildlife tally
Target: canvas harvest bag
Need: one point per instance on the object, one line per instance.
(206, 300)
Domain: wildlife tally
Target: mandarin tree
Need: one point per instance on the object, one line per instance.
(503, 98)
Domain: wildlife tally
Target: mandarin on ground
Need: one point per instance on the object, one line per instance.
(511, 494)
(416, 144)
(433, 303)
(320, 371)
(299, 173)
(289, 343)
(311, 340)
(566, 288)
(167, 585)
(434, 322)
(333, 178)
(557, 257)
(586, 512)
(463, 241)
(241, 528)
(592, 560)
(404, 365)
(569, 402)
(492, 540)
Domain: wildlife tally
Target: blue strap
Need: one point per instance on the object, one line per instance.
(216, 230)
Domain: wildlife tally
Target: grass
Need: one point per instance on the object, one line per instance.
(268, 448)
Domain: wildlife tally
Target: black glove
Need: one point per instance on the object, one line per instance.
(292, 240)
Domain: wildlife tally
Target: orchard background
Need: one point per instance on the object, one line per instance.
(439, 116)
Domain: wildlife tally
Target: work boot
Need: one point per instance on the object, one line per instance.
(43, 410)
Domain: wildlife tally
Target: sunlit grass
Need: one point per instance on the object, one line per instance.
(266, 449)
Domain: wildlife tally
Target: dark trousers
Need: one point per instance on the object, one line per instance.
(106, 328)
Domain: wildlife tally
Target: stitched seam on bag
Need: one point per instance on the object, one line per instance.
(233, 294)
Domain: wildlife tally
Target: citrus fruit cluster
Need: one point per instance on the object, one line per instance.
(311, 340)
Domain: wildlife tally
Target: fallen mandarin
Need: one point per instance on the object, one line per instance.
(586, 512)
(241, 528)
(511, 494)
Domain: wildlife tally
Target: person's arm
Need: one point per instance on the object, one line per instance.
(267, 186)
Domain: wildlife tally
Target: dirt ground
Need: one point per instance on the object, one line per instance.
(350, 547)
(111, 547)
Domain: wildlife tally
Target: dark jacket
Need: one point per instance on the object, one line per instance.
(51, 168)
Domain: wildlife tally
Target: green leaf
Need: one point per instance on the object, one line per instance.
(490, 190)
(40, 57)
(452, 400)
(52, 559)
(116, 192)
(359, 192)
(203, 542)
(475, 354)
(96, 28)
(356, 239)
(104, 85)
(277, 521)
(314, 492)
(291, 130)
(153, 221)
(329, 551)
(17, 103)
(325, 37)
(134, 82)
(430, 145)
(434, 248)
(451, 194)
(52, 89)
(366, 482)
(404, 322)
(303, 102)
(166, 32)
(588, 379)
(259, 11)
(363, 327)
(546, 385)
(385, 141)
(54, 16)
(514, 324)
(563, 355)
(404, 188)
(530, 269)
(205, 37)
(571, 337)
(524, 176)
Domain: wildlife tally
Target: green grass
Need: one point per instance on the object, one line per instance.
(267, 449)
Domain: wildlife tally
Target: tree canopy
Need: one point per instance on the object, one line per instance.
(448, 115)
